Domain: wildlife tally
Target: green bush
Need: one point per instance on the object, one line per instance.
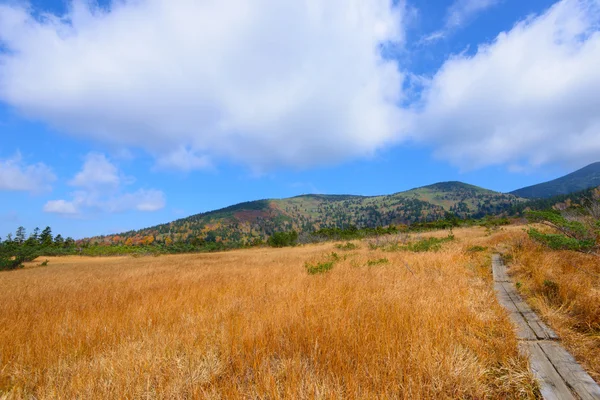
(557, 241)
(429, 244)
(346, 246)
(319, 268)
(380, 261)
(283, 239)
(572, 234)
(15, 257)
(7, 264)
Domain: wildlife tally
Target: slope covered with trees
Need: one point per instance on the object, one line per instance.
(255, 221)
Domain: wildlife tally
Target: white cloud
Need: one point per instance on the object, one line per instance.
(459, 13)
(16, 175)
(258, 82)
(97, 171)
(100, 190)
(463, 10)
(530, 97)
(184, 159)
(60, 207)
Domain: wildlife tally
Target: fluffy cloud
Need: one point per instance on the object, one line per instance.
(262, 83)
(97, 171)
(15, 175)
(527, 99)
(60, 207)
(99, 187)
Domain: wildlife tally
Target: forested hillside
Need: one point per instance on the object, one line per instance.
(254, 221)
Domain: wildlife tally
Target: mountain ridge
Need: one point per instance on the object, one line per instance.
(256, 220)
(252, 221)
(582, 179)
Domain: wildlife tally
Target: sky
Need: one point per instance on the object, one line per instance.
(122, 114)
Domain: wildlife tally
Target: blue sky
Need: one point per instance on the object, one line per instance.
(119, 116)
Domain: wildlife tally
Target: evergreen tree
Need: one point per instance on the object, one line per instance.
(59, 240)
(46, 238)
(20, 235)
(34, 238)
(36, 234)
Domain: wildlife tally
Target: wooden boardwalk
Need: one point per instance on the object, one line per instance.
(559, 375)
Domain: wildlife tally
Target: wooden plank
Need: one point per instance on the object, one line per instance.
(540, 327)
(552, 387)
(558, 373)
(504, 298)
(524, 332)
(541, 330)
(499, 269)
(568, 368)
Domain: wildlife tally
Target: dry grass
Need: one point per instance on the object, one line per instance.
(255, 324)
(564, 287)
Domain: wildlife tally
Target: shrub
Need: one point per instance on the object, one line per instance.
(380, 261)
(319, 268)
(283, 239)
(561, 242)
(346, 246)
(7, 264)
(429, 244)
(14, 258)
(573, 234)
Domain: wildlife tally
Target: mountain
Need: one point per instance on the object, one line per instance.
(256, 220)
(584, 198)
(577, 181)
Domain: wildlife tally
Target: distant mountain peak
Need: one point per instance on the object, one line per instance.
(450, 186)
(582, 179)
(453, 185)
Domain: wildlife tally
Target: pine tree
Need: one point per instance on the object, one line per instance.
(46, 237)
(34, 238)
(20, 235)
(59, 241)
(36, 234)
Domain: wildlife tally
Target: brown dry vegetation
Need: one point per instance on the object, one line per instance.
(255, 324)
(564, 287)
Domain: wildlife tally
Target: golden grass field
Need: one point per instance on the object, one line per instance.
(254, 324)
